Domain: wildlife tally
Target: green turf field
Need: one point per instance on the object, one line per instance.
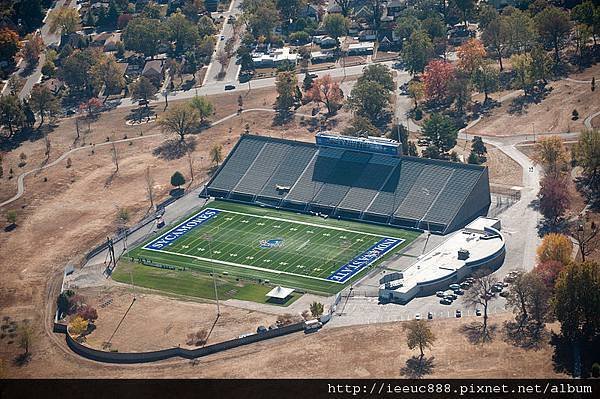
(285, 248)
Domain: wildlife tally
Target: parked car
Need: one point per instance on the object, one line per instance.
(459, 292)
(504, 294)
(496, 288)
(418, 316)
(261, 329)
(429, 316)
(222, 37)
(454, 286)
(477, 312)
(229, 87)
(458, 313)
(465, 286)
(451, 297)
(440, 294)
(445, 301)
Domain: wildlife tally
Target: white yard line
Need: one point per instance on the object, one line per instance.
(309, 224)
(241, 265)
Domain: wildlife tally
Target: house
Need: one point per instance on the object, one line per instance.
(363, 48)
(334, 8)
(322, 56)
(274, 58)
(154, 70)
(385, 44)
(112, 42)
(54, 85)
(211, 5)
(367, 35)
(364, 12)
(394, 7)
(311, 12)
(327, 42)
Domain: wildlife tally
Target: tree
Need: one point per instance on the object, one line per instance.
(143, 35)
(177, 179)
(316, 309)
(521, 64)
(78, 326)
(584, 233)
(88, 313)
(180, 119)
(587, 155)
(417, 51)
(540, 65)
(11, 112)
(459, 90)
(477, 146)
(25, 337)
(555, 246)
(581, 35)
(326, 91)
(32, 49)
(416, 91)
(361, 127)
(496, 37)
(107, 73)
(480, 294)
(465, 7)
(11, 217)
(76, 70)
(473, 158)
(336, 25)
(419, 335)
(203, 106)
(143, 89)
(149, 186)
(9, 44)
(216, 154)
(441, 132)
(554, 26)
(43, 101)
(437, 77)
(182, 32)
(379, 73)
(521, 30)
(576, 300)
(206, 26)
(63, 20)
(551, 155)
(406, 25)
(528, 296)
(486, 80)
(589, 15)
(548, 271)
(286, 84)
(369, 100)
(554, 198)
(470, 56)
(345, 6)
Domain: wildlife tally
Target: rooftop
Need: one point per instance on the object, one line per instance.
(280, 292)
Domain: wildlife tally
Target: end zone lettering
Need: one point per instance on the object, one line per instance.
(365, 259)
(182, 229)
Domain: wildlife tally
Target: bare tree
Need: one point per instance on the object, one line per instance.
(149, 187)
(190, 160)
(518, 298)
(481, 294)
(47, 145)
(115, 157)
(585, 234)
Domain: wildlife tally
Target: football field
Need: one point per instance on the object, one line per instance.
(299, 251)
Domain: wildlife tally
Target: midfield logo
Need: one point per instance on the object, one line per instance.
(275, 243)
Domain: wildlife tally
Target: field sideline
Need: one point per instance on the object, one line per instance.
(301, 251)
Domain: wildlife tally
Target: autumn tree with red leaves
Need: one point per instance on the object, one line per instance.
(438, 74)
(548, 272)
(554, 198)
(324, 90)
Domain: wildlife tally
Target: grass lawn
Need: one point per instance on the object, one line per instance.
(257, 244)
(194, 284)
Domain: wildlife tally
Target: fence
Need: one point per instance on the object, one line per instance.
(146, 357)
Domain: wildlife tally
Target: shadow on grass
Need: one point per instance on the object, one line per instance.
(475, 333)
(174, 149)
(527, 336)
(22, 359)
(417, 367)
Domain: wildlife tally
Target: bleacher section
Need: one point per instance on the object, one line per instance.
(403, 191)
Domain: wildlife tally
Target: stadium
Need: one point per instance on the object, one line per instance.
(316, 217)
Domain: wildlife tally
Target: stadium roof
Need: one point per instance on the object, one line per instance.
(280, 292)
(403, 191)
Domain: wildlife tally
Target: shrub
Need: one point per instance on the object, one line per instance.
(595, 370)
(418, 114)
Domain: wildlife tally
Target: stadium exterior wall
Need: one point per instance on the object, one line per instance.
(154, 356)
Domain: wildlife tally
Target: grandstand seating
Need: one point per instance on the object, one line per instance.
(403, 191)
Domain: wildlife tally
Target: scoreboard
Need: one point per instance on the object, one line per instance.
(376, 145)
